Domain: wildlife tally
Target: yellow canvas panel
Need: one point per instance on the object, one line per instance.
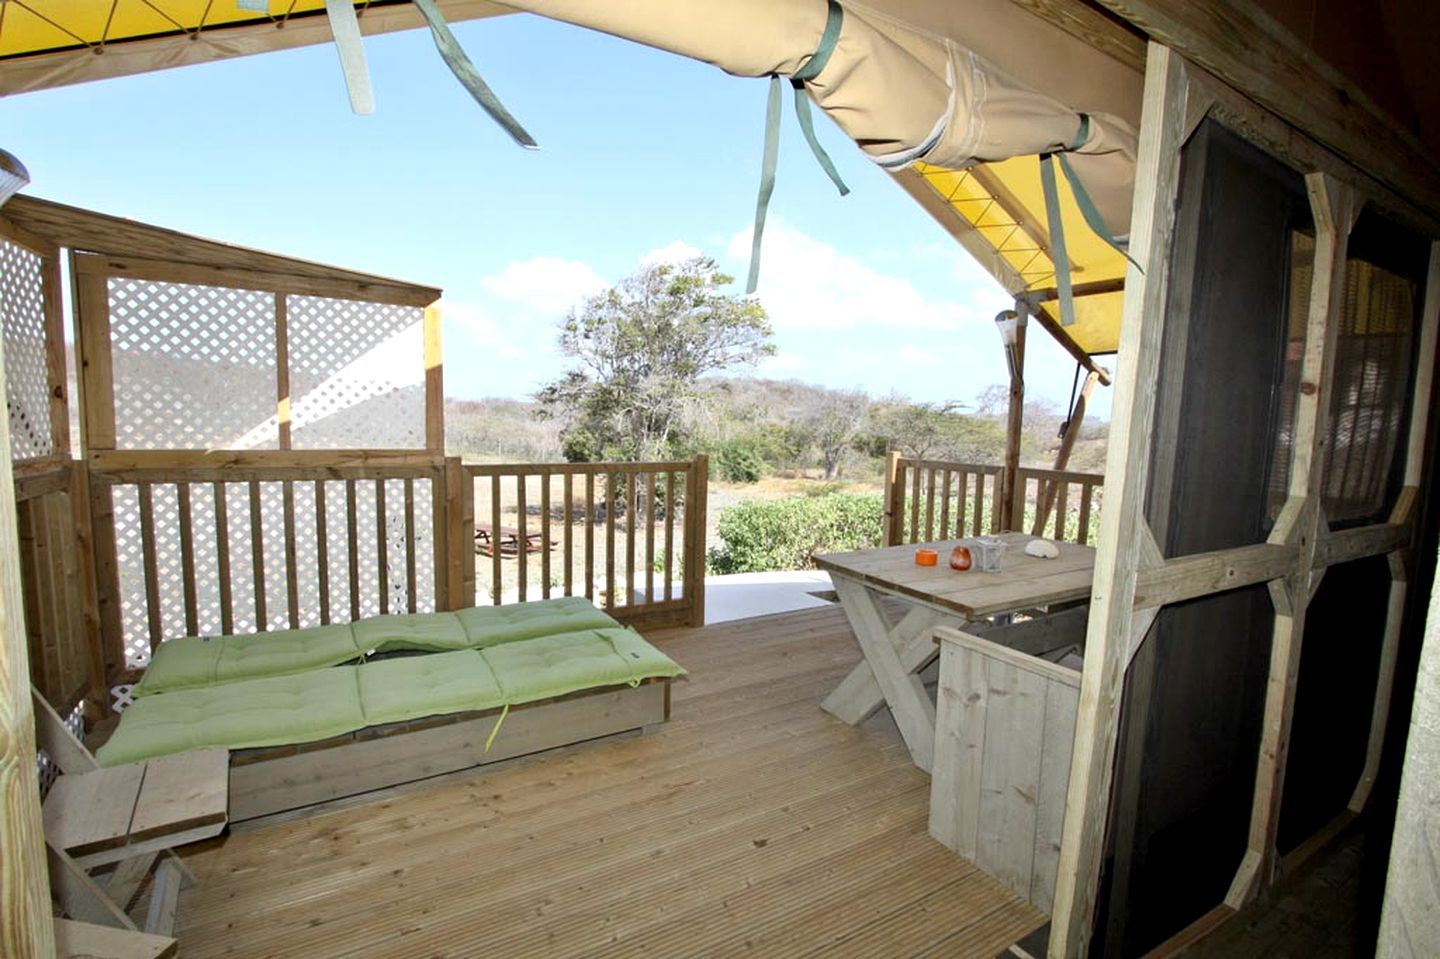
(38, 26)
(1005, 203)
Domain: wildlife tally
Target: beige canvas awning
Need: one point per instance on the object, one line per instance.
(954, 96)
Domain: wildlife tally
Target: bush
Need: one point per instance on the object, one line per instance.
(740, 461)
(765, 535)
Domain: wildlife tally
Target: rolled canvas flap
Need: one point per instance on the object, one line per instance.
(900, 93)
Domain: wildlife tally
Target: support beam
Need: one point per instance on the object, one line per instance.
(1245, 48)
(1334, 207)
(1122, 523)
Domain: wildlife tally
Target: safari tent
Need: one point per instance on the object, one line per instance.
(1228, 212)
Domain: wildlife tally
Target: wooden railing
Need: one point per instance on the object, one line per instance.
(629, 536)
(190, 545)
(928, 500)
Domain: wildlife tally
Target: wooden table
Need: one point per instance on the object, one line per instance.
(896, 650)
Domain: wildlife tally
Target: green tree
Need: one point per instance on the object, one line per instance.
(641, 347)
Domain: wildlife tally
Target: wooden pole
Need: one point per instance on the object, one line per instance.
(1123, 530)
(1062, 456)
(894, 481)
(25, 922)
(1015, 420)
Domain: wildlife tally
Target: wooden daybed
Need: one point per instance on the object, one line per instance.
(533, 691)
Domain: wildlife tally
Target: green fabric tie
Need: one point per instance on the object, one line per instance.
(469, 77)
(1059, 257)
(834, 19)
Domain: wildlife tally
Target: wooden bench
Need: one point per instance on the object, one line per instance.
(129, 817)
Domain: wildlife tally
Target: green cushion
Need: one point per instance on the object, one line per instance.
(204, 661)
(435, 632)
(556, 665)
(274, 711)
(397, 690)
(493, 625)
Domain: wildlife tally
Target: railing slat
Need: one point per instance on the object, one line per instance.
(568, 531)
(187, 559)
(590, 536)
(410, 545)
(649, 537)
(257, 557)
(222, 557)
(496, 570)
(915, 504)
(545, 536)
(147, 551)
(382, 549)
(945, 504)
(669, 535)
(930, 504)
(322, 553)
(632, 502)
(352, 540)
(522, 541)
(292, 574)
(610, 540)
(1083, 533)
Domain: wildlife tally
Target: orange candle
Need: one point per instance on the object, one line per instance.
(926, 557)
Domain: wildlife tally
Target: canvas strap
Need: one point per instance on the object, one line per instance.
(469, 77)
(834, 19)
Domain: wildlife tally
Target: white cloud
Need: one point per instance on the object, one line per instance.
(547, 285)
(677, 251)
(806, 283)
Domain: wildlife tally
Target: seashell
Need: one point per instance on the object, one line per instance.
(1042, 548)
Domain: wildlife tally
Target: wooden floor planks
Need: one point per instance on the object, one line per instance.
(752, 824)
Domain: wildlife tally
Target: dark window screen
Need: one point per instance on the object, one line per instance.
(1190, 723)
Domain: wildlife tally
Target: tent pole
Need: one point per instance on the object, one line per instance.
(1015, 420)
(1062, 456)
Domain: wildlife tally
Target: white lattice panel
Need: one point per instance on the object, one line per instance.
(357, 373)
(194, 366)
(27, 382)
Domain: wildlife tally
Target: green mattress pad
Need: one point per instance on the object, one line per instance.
(493, 625)
(399, 690)
(557, 665)
(326, 702)
(274, 711)
(431, 632)
(210, 660)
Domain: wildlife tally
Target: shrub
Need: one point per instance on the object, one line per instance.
(740, 461)
(764, 535)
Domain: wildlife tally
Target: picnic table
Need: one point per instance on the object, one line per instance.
(897, 649)
(488, 536)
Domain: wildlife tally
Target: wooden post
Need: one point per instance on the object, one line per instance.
(1046, 499)
(434, 383)
(696, 494)
(1014, 422)
(26, 928)
(893, 534)
(1122, 525)
(1334, 207)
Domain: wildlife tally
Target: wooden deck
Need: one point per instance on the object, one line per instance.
(752, 824)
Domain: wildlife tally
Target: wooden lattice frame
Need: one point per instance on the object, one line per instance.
(31, 310)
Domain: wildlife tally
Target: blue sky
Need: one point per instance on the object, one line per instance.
(643, 154)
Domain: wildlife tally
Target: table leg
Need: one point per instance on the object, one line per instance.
(903, 690)
(859, 695)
